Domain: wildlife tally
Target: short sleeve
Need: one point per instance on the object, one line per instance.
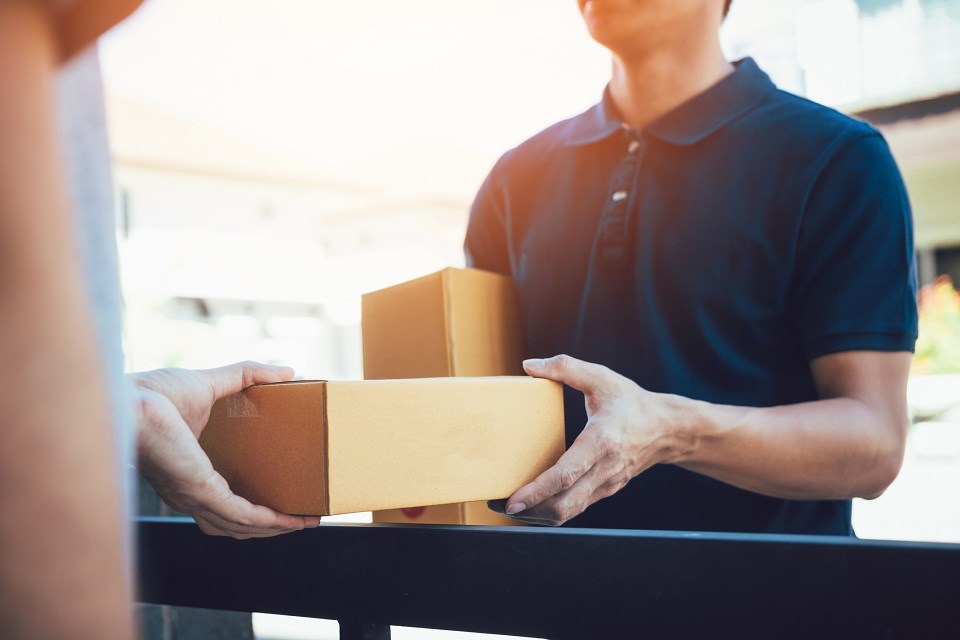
(854, 283)
(486, 246)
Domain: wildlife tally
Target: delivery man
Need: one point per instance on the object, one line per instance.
(730, 269)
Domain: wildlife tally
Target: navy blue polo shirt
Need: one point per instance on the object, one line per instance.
(713, 255)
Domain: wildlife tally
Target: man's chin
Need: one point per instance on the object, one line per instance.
(608, 32)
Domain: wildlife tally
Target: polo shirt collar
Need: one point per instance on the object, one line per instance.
(597, 123)
(691, 121)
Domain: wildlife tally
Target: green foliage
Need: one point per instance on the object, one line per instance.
(938, 347)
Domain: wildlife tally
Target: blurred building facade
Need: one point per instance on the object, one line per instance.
(895, 63)
(232, 251)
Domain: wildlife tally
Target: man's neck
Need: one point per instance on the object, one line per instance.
(647, 85)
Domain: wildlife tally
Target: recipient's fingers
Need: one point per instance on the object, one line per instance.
(213, 526)
(571, 466)
(239, 531)
(583, 376)
(208, 528)
(236, 512)
(243, 513)
(237, 377)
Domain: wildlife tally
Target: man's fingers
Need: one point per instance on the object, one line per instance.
(583, 376)
(604, 491)
(571, 466)
(237, 377)
(563, 508)
(568, 504)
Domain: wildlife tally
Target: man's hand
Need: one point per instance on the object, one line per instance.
(847, 444)
(173, 406)
(626, 433)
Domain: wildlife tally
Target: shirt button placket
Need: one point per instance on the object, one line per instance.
(614, 223)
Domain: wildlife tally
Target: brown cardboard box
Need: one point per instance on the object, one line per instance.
(320, 448)
(471, 513)
(456, 322)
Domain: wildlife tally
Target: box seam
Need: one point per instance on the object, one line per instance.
(325, 456)
(448, 318)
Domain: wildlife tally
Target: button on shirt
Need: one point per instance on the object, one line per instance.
(713, 254)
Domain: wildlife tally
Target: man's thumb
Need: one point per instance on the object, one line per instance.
(578, 374)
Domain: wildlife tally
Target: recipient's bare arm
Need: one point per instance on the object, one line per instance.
(61, 568)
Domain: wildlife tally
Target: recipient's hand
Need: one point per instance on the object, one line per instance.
(173, 406)
(628, 430)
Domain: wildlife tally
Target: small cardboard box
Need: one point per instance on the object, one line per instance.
(322, 448)
(456, 322)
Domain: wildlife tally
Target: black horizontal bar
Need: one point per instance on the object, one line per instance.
(564, 583)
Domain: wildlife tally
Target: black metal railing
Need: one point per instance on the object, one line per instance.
(562, 583)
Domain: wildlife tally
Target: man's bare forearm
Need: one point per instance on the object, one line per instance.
(61, 571)
(837, 448)
(846, 445)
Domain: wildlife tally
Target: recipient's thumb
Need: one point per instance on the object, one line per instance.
(237, 377)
